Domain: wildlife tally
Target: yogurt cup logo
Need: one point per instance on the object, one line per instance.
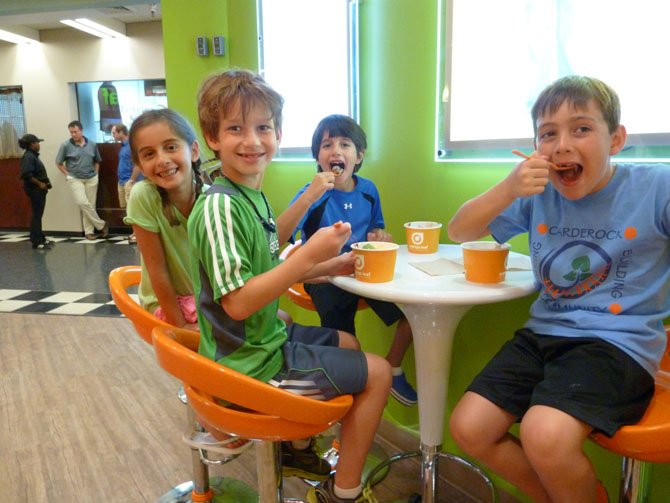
(417, 238)
(360, 262)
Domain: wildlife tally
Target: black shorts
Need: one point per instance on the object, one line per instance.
(587, 378)
(337, 307)
(316, 367)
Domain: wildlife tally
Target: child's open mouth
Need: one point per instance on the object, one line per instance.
(337, 168)
(168, 172)
(569, 171)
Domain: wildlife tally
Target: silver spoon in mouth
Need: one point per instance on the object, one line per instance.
(337, 168)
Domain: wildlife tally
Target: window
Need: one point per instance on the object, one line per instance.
(12, 121)
(103, 104)
(498, 56)
(308, 52)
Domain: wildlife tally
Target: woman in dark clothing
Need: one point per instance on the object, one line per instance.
(36, 184)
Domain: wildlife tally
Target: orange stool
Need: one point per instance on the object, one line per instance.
(202, 488)
(257, 410)
(646, 441)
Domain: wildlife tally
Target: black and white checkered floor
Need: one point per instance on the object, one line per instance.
(70, 278)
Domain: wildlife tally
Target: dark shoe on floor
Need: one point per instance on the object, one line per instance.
(324, 493)
(403, 391)
(104, 232)
(305, 464)
(91, 237)
(44, 245)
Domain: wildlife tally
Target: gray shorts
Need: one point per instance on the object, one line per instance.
(315, 367)
(587, 378)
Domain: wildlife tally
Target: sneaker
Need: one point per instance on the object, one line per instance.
(104, 232)
(324, 493)
(402, 390)
(305, 464)
(44, 245)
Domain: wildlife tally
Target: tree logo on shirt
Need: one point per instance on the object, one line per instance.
(588, 267)
(416, 238)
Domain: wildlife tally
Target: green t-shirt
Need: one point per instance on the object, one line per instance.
(144, 209)
(229, 245)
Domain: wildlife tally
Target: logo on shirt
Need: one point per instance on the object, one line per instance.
(348, 206)
(588, 266)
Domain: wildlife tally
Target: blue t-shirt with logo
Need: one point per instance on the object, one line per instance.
(602, 262)
(361, 207)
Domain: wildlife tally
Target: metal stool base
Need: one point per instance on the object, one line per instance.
(226, 490)
(376, 456)
(385, 465)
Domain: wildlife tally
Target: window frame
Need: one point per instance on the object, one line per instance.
(303, 153)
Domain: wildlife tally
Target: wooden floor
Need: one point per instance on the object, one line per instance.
(87, 415)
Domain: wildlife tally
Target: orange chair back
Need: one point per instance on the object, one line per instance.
(296, 292)
(649, 439)
(120, 280)
(258, 410)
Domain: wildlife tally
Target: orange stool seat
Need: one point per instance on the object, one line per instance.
(256, 409)
(202, 488)
(646, 441)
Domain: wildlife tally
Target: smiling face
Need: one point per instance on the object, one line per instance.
(578, 138)
(339, 155)
(165, 158)
(246, 144)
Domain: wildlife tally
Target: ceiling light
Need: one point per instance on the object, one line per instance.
(111, 28)
(20, 35)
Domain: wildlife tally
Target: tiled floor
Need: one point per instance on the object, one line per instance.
(70, 278)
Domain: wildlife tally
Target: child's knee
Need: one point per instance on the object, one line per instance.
(348, 341)
(379, 371)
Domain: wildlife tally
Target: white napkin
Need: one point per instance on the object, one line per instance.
(439, 267)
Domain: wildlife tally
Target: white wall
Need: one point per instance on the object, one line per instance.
(45, 71)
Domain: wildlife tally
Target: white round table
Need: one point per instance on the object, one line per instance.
(434, 305)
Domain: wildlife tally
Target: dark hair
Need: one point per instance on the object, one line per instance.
(219, 93)
(339, 125)
(121, 128)
(577, 91)
(75, 124)
(179, 126)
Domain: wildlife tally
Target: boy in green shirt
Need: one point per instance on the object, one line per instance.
(238, 279)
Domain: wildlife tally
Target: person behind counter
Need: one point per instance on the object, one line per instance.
(36, 184)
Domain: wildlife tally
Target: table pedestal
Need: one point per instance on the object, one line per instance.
(433, 329)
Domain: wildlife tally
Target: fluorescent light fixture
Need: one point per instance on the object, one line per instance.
(20, 35)
(111, 28)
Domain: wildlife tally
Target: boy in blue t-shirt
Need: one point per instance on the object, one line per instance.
(599, 240)
(338, 146)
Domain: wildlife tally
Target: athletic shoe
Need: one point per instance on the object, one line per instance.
(324, 493)
(306, 464)
(403, 391)
(44, 245)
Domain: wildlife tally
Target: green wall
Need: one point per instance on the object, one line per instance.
(398, 44)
